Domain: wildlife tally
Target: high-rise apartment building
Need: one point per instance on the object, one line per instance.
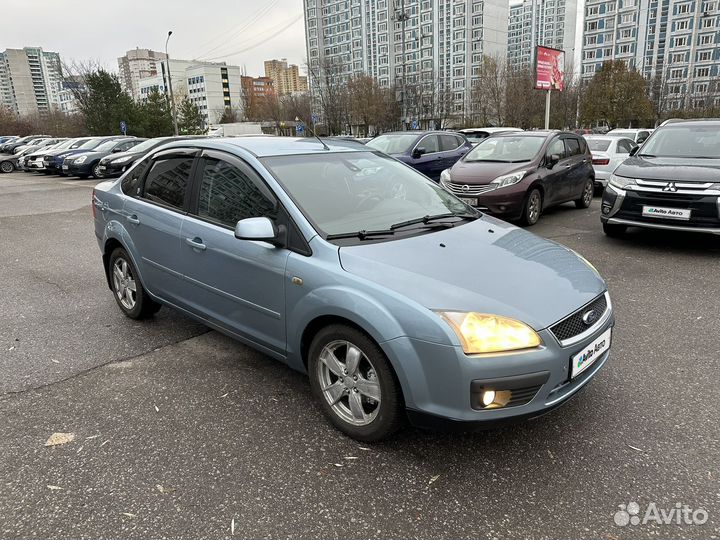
(675, 43)
(436, 44)
(30, 80)
(138, 64)
(551, 23)
(286, 78)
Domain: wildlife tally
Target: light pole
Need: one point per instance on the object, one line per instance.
(172, 97)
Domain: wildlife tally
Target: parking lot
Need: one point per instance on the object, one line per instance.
(182, 432)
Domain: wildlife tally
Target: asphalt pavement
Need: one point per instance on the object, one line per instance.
(181, 432)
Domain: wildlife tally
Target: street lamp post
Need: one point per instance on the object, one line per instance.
(172, 97)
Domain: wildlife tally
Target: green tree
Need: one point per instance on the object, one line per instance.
(190, 120)
(229, 116)
(104, 104)
(616, 95)
(154, 118)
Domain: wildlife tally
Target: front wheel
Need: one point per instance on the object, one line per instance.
(96, 171)
(128, 291)
(532, 209)
(587, 195)
(614, 231)
(354, 383)
(7, 167)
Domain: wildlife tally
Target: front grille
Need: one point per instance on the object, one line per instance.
(703, 207)
(468, 190)
(573, 325)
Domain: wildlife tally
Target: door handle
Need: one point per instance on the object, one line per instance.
(133, 219)
(196, 243)
(568, 166)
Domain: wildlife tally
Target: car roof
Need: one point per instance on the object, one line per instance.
(261, 146)
(692, 122)
(538, 133)
(418, 132)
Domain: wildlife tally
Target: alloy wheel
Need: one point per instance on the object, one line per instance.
(588, 193)
(533, 207)
(6, 167)
(124, 284)
(349, 382)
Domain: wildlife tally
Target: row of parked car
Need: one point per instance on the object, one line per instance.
(83, 157)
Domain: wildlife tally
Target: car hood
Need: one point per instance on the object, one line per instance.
(69, 152)
(118, 155)
(671, 169)
(488, 266)
(479, 172)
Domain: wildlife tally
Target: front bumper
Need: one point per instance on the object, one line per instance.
(74, 169)
(440, 383)
(35, 165)
(602, 177)
(625, 207)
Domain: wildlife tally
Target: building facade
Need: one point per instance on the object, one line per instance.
(429, 48)
(138, 64)
(551, 23)
(286, 78)
(675, 44)
(30, 80)
(213, 88)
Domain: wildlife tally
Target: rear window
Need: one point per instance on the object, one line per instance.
(167, 181)
(598, 145)
(573, 146)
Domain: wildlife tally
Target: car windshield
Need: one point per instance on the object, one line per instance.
(360, 191)
(78, 143)
(92, 143)
(684, 142)
(148, 145)
(509, 149)
(106, 146)
(64, 144)
(598, 145)
(628, 134)
(393, 143)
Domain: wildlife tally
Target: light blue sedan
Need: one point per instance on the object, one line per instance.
(394, 296)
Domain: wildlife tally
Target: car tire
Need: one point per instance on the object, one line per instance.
(588, 192)
(614, 231)
(532, 208)
(123, 275)
(96, 171)
(7, 167)
(360, 396)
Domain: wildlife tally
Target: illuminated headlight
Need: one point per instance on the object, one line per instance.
(480, 333)
(621, 182)
(80, 160)
(445, 176)
(120, 161)
(509, 179)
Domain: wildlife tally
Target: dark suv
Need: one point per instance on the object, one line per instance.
(517, 175)
(671, 182)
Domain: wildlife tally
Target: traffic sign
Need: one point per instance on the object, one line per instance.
(414, 124)
(314, 118)
(123, 127)
(299, 129)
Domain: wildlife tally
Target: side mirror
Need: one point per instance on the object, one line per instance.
(259, 229)
(116, 150)
(418, 152)
(552, 160)
(634, 150)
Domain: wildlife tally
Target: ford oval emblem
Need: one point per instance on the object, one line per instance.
(590, 317)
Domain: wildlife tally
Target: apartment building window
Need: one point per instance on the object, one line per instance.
(680, 41)
(592, 26)
(709, 6)
(675, 89)
(708, 22)
(589, 55)
(682, 25)
(704, 56)
(678, 58)
(706, 39)
(702, 72)
(590, 40)
(593, 10)
(477, 7)
(682, 9)
(627, 18)
(626, 33)
(624, 49)
(676, 73)
(701, 88)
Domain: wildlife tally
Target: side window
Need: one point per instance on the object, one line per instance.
(125, 146)
(641, 136)
(623, 147)
(449, 142)
(229, 194)
(430, 143)
(556, 147)
(130, 184)
(573, 146)
(167, 181)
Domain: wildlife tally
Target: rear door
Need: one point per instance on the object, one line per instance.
(554, 177)
(453, 148)
(238, 284)
(153, 216)
(575, 168)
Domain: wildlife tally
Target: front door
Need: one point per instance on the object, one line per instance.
(431, 162)
(238, 284)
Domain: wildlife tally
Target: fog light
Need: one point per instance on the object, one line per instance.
(606, 209)
(488, 397)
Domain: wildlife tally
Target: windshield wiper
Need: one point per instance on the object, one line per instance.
(646, 155)
(489, 160)
(426, 220)
(362, 234)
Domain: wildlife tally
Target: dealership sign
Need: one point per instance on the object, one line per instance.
(549, 69)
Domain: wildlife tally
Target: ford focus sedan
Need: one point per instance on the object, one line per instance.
(395, 297)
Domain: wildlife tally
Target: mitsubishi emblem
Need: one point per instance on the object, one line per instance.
(670, 187)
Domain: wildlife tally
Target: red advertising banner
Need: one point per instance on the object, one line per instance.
(549, 69)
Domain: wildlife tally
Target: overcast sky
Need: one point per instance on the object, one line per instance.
(239, 32)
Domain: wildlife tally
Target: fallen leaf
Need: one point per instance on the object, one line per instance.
(156, 408)
(60, 438)
(92, 437)
(225, 394)
(163, 489)
(54, 361)
(232, 526)
(79, 449)
(433, 478)
(103, 444)
(350, 457)
(11, 348)
(364, 448)
(53, 488)
(636, 448)
(339, 465)
(128, 514)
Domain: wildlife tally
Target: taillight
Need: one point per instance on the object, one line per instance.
(601, 161)
(92, 203)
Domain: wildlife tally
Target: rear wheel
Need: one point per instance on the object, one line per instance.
(614, 231)
(96, 171)
(7, 167)
(587, 195)
(533, 208)
(128, 291)
(354, 383)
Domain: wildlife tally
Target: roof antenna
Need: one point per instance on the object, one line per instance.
(312, 129)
